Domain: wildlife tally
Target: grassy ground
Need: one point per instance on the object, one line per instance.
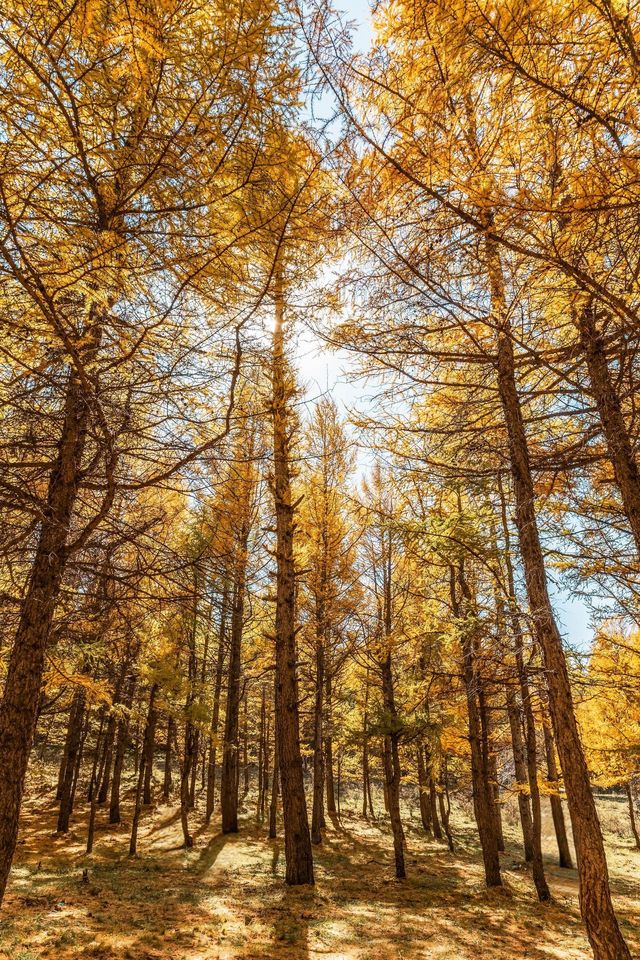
(226, 899)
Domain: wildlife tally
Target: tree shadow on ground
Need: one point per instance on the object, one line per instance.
(226, 898)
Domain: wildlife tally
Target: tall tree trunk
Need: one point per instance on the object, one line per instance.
(520, 770)
(607, 401)
(565, 859)
(537, 863)
(72, 748)
(445, 806)
(19, 706)
(106, 747)
(231, 748)
(245, 746)
(489, 763)
(433, 803)
(391, 760)
(137, 804)
(78, 765)
(188, 759)
(328, 744)
(103, 790)
(297, 840)
(194, 769)
(167, 780)
(215, 713)
(482, 793)
(595, 896)
(122, 738)
(317, 815)
(632, 814)
(267, 768)
(72, 740)
(147, 754)
(366, 774)
(423, 791)
(96, 756)
(261, 752)
(275, 785)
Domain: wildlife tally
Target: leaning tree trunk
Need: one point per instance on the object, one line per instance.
(537, 863)
(19, 707)
(297, 841)
(595, 895)
(607, 401)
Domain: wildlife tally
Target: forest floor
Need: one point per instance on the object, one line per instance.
(226, 898)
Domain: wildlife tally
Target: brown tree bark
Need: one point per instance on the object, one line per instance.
(262, 737)
(215, 712)
(520, 770)
(632, 814)
(317, 815)
(433, 803)
(595, 897)
(231, 746)
(445, 806)
(275, 786)
(423, 791)
(537, 863)
(72, 748)
(19, 706)
(245, 746)
(391, 761)
(607, 401)
(489, 763)
(482, 793)
(122, 739)
(74, 733)
(147, 754)
(95, 793)
(328, 744)
(297, 840)
(565, 859)
(194, 769)
(137, 805)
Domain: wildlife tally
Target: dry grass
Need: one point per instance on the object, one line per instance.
(226, 899)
